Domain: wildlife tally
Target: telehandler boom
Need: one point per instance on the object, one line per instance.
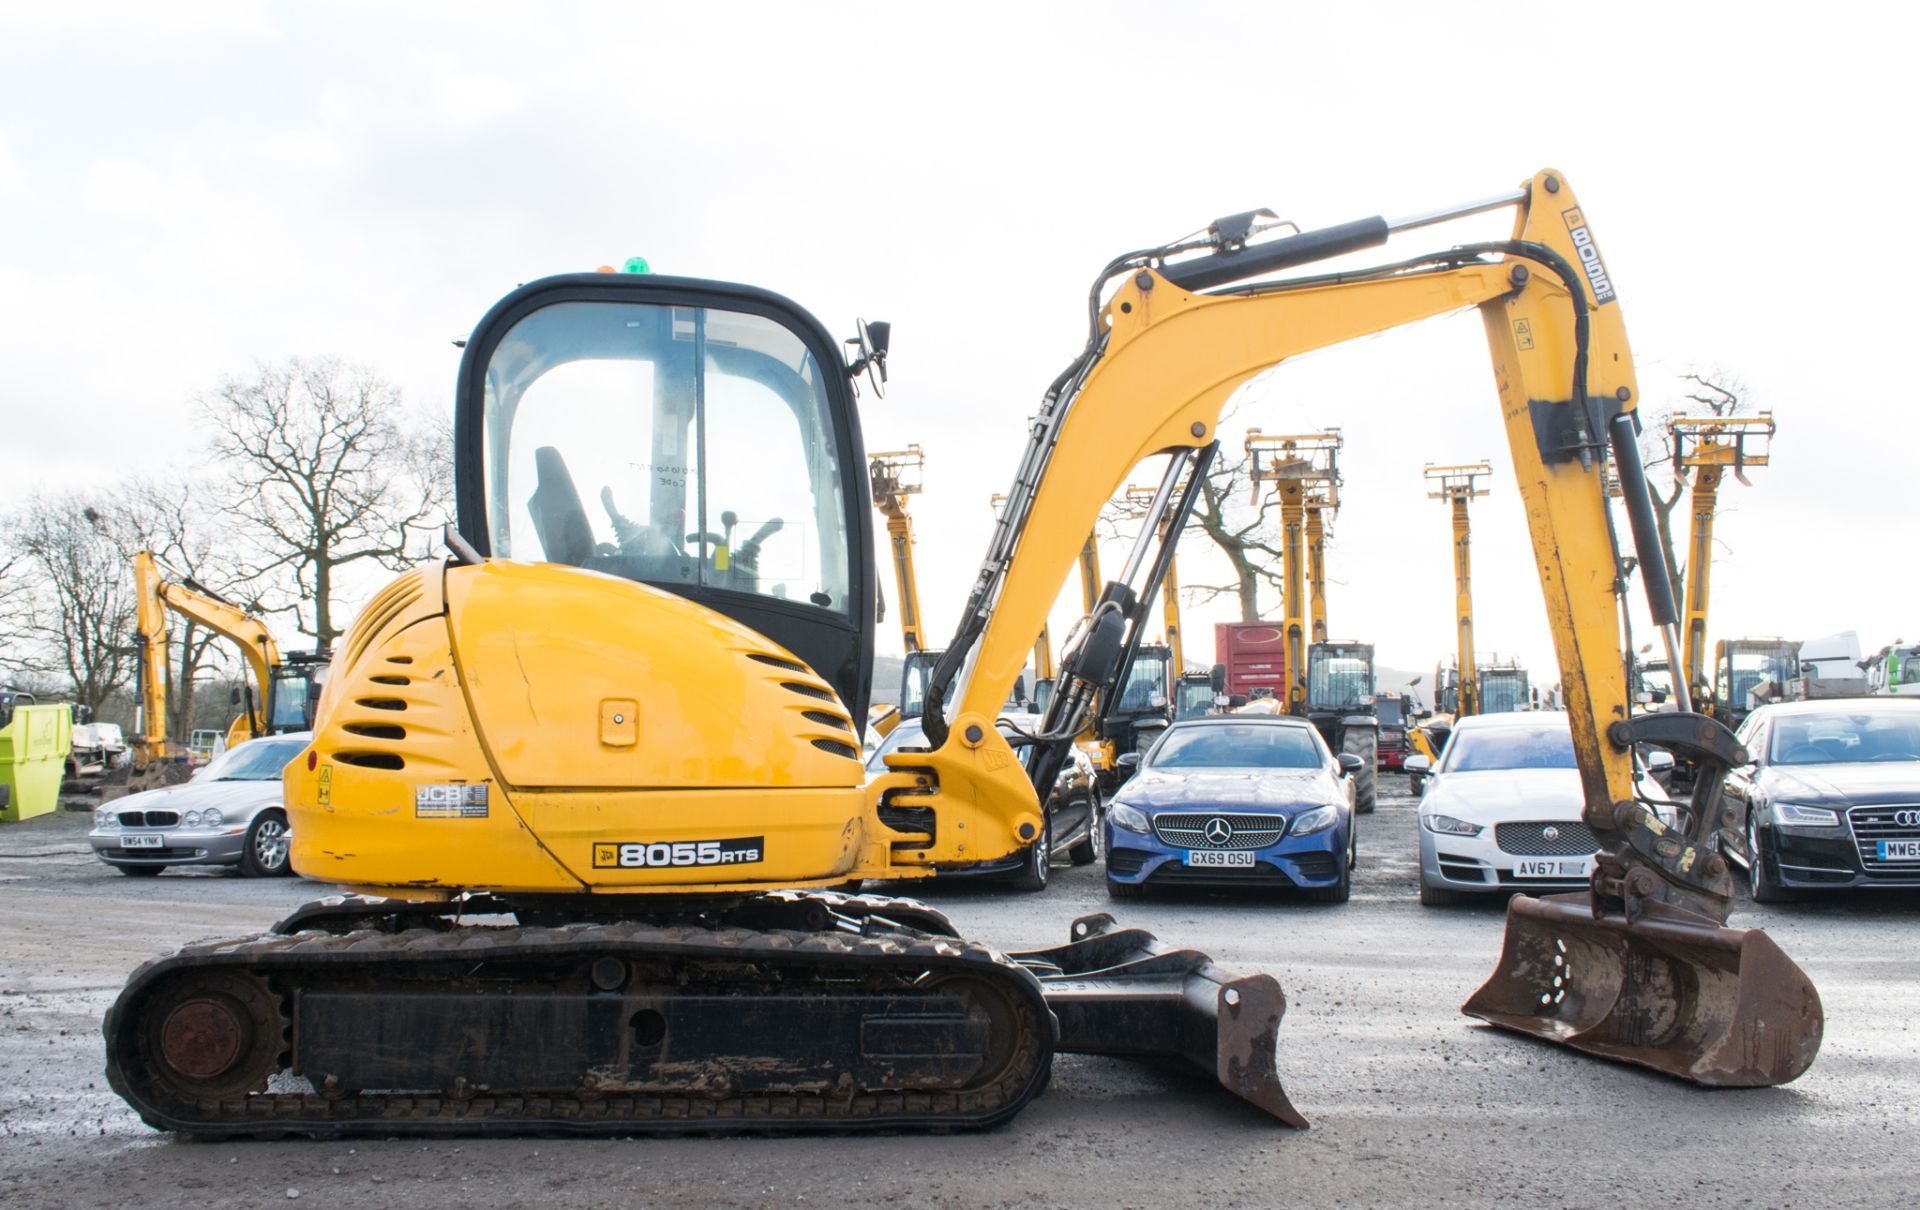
(654, 768)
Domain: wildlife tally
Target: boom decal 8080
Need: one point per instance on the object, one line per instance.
(651, 854)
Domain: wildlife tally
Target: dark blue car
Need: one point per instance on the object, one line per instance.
(1235, 801)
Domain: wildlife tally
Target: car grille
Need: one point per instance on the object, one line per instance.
(1263, 874)
(1874, 824)
(149, 819)
(166, 854)
(1529, 839)
(1189, 831)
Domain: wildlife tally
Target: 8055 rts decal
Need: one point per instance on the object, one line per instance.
(655, 854)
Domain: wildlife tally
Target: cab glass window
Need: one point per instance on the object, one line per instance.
(681, 446)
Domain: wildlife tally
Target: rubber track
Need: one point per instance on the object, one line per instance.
(281, 959)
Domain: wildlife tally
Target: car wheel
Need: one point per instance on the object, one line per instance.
(1762, 886)
(1433, 896)
(1038, 865)
(140, 871)
(265, 853)
(1364, 744)
(1088, 850)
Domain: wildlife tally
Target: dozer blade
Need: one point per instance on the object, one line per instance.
(1124, 992)
(1670, 990)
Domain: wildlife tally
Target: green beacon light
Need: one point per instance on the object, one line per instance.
(636, 264)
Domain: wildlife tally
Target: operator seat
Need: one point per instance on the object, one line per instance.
(559, 519)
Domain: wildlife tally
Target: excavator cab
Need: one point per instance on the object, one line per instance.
(693, 436)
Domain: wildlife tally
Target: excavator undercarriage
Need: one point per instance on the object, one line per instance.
(783, 1012)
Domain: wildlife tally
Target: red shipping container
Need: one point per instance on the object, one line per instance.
(1255, 654)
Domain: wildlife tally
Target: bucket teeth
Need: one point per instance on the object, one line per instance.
(1722, 1007)
(1125, 992)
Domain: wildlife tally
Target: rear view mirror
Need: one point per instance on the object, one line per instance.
(1349, 763)
(1128, 760)
(1417, 764)
(1659, 760)
(1217, 677)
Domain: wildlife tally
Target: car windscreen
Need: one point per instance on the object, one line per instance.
(1839, 738)
(1215, 746)
(258, 760)
(1492, 748)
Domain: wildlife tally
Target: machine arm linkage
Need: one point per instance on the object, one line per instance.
(1163, 364)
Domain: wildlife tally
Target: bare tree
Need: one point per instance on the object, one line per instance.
(1246, 533)
(328, 472)
(69, 600)
(1712, 394)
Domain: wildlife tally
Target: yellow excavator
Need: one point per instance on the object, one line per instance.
(894, 475)
(280, 697)
(1707, 448)
(589, 780)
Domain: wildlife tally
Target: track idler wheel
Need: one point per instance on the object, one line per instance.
(1670, 990)
(212, 1036)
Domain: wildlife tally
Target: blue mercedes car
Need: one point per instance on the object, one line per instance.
(1235, 801)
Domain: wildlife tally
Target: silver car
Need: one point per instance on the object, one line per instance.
(230, 814)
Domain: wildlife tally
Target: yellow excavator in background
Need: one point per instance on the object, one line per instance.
(279, 698)
(1193, 692)
(893, 476)
(1043, 670)
(640, 742)
(1709, 447)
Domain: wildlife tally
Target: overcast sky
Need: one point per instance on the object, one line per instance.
(185, 188)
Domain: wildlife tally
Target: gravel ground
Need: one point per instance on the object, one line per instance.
(1410, 1102)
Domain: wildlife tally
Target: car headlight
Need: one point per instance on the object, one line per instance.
(1447, 825)
(1787, 815)
(1319, 819)
(212, 817)
(190, 820)
(107, 818)
(1131, 819)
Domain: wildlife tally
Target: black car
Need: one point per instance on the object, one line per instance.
(1832, 798)
(1072, 809)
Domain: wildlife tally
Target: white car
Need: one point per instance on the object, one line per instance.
(1501, 812)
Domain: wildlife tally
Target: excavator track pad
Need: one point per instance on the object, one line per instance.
(1668, 989)
(776, 1013)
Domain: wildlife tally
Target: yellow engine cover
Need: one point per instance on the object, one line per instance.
(534, 728)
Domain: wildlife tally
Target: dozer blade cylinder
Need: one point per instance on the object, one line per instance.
(1722, 1007)
(1129, 994)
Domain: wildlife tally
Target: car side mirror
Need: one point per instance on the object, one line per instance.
(1128, 760)
(233, 697)
(1417, 765)
(1217, 677)
(1659, 760)
(1349, 763)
